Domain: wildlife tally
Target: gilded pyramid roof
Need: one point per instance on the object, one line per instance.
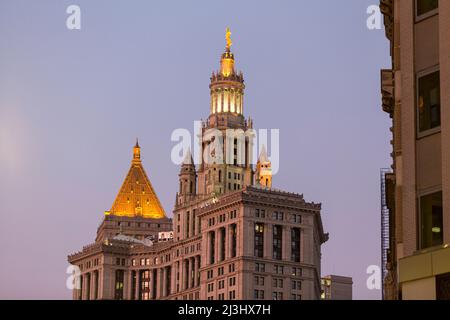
(136, 197)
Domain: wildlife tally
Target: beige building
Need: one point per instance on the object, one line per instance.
(336, 288)
(234, 236)
(416, 94)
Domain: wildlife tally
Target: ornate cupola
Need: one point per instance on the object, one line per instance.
(227, 86)
(263, 173)
(187, 180)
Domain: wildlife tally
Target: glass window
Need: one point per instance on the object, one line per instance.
(118, 292)
(295, 244)
(431, 224)
(425, 6)
(429, 102)
(259, 240)
(277, 242)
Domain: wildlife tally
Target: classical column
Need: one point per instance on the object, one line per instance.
(85, 286)
(227, 242)
(82, 284)
(179, 279)
(195, 271)
(157, 283)
(219, 245)
(164, 281)
(173, 279)
(219, 101)
(136, 286)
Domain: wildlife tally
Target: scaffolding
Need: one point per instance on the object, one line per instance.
(384, 226)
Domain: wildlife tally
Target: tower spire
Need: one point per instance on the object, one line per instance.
(137, 152)
(227, 86)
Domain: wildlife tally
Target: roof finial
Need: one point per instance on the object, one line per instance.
(228, 38)
(137, 151)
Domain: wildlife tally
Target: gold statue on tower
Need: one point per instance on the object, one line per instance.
(228, 38)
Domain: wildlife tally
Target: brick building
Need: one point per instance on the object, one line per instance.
(416, 95)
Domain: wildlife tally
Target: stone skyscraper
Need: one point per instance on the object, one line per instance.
(232, 235)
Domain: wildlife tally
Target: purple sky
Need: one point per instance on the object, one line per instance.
(73, 102)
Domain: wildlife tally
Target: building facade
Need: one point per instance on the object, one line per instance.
(232, 235)
(337, 288)
(416, 95)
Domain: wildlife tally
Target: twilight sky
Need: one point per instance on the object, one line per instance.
(73, 102)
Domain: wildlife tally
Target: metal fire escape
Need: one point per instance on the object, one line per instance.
(384, 226)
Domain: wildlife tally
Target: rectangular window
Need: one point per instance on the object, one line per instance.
(297, 272)
(259, 240)
(277, 283)
(296, 285)
(233, 240)
(259, 294)
(212, 244)
(260, 267)
(297, 218)
(118, 292)
(277, 241)
(259, 281)
(431, 222)
(279, 269)
(295, 244)
(426, 6)
(429, 101)
(277, 295)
